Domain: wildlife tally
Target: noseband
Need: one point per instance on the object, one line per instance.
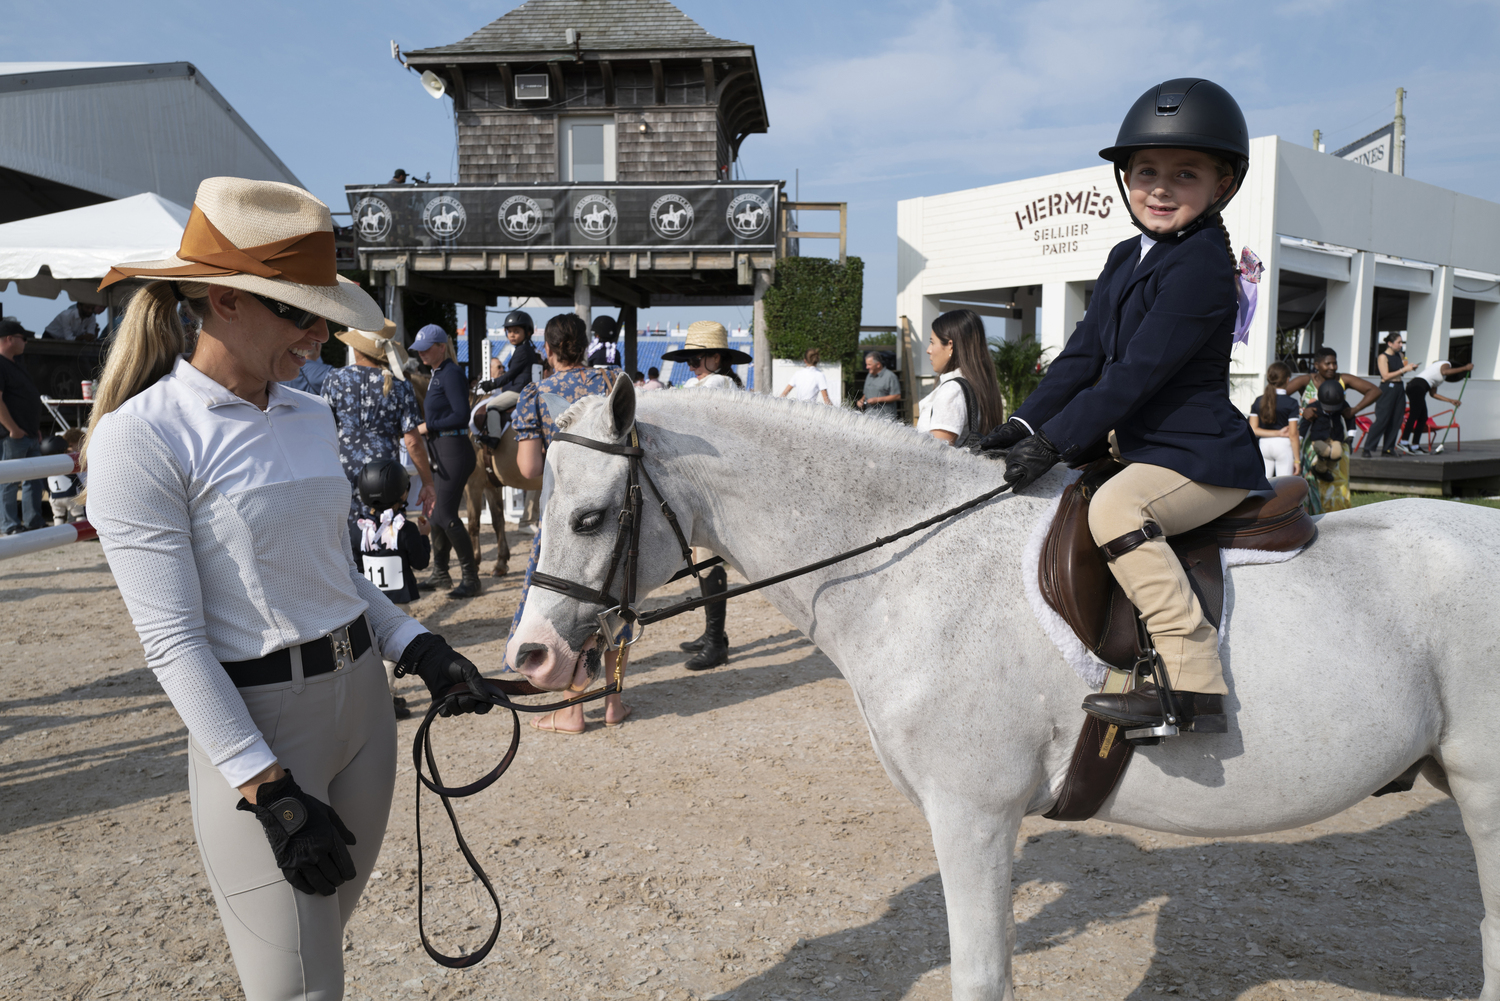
(620, 625)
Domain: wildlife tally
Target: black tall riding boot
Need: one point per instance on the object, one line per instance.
(715, 646)
(468, 565)
(439, 580)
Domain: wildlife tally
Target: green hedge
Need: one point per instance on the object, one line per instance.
(816, 302)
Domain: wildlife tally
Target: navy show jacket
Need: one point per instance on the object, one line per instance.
(518, 370)
(1150, 361)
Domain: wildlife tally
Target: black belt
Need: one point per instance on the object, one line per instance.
(339, 649)
(454, 433)
(1392, 382)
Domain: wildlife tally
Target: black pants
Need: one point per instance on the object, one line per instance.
(454, 465)
(1387, 424)
(1416, 409)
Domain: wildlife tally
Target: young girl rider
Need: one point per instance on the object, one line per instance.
(1147, 371)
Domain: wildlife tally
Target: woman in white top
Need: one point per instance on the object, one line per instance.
(708, 354)
(808, 384)
(967, 396)
(222, 507)
(1424, 384)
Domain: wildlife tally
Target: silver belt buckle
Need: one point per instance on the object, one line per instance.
(343, 648)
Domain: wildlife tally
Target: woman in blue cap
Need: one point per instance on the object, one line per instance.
(447, 432)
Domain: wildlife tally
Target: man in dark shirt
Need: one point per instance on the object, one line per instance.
(21, 415)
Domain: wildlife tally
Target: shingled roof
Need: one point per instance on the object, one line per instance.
(538, 26)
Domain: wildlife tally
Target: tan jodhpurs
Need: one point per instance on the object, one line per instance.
(1151, 575)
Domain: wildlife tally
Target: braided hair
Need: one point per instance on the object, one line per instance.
(1228, 243)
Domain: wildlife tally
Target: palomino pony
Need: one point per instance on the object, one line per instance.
(971, 709)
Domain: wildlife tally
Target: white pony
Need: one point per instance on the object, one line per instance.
(971, 708)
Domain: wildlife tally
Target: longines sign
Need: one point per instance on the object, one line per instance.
(1047, 217)
(564, 217)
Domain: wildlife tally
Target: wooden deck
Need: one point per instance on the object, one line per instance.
(1472, 471)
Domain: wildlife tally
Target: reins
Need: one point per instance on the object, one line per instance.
(620, 627)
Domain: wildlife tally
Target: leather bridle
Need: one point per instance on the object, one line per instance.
(620, 627)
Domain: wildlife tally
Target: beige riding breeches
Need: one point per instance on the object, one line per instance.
(336, 734)
(1151, 575)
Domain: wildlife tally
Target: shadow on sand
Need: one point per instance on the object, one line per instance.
(1357, 911)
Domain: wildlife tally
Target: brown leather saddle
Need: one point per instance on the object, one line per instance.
(1076, 582)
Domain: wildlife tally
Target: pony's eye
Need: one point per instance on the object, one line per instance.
(587, 521)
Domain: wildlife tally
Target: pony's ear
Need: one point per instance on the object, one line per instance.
(622, 406)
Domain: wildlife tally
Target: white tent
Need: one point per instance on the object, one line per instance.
(71, 251)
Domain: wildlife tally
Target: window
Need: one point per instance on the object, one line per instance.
(587, 148)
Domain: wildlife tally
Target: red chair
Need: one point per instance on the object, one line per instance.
(1363, 423)
(1433, 426)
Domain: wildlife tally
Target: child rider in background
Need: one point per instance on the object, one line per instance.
(391, 545)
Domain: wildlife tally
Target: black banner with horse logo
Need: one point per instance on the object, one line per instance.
(615, 216)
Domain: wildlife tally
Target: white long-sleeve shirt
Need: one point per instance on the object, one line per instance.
(225, 527)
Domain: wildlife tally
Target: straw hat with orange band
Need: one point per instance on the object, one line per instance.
(270, 239)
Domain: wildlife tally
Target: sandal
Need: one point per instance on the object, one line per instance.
(622, 719)
(548, 724)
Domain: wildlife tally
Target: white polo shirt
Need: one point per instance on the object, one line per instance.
(225, 527)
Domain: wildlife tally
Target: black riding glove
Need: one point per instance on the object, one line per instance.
(306, 836)
(1026, 462)
(489, 385)
(431, 658)
(1003, 437)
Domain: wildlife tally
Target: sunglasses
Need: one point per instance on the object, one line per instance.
(692, 361)
(301, 318)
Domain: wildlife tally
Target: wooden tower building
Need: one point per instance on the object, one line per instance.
(589, 90)
(597, 144)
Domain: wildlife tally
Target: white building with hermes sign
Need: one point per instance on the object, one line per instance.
(1350, 253)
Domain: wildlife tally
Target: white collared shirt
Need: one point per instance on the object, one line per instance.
(944, 408)
(226, 529)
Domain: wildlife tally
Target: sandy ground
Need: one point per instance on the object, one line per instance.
(735, 839)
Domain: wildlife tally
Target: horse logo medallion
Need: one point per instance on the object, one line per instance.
(444, 217)
(520, 217)
(372, 218)
(595, 216)
(748, 216)
(671, 217)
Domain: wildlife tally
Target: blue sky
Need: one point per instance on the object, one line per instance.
(874, 101)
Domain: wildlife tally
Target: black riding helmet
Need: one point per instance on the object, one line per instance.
(1331, 397)
(383, 484)
(519, 318)
(1187, 113)
(54, 444)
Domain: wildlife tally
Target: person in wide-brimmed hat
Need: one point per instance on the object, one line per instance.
(219, 498)
(376, 410)
(708, 354)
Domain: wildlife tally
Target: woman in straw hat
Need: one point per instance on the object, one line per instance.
(707, 352)
(222, 507)
(376, 409)
(535, 421)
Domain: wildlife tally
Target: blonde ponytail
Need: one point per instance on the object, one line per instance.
(145, 347)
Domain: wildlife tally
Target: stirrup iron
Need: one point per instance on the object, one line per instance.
(1151, 660)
